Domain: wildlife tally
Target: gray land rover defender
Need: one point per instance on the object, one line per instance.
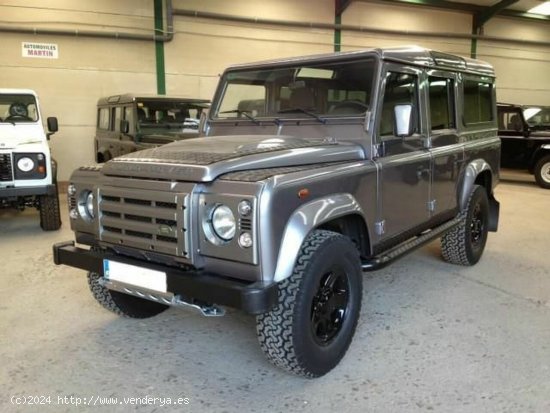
(127, 123)
(312, 170)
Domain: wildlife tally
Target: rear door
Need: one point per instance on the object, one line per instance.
(447, 152)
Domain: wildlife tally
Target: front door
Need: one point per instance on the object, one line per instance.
(405, 163)
(511, 130)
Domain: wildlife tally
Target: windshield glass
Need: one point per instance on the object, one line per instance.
(169, 114)
(320, 90)
(537, 116)
(18, 108)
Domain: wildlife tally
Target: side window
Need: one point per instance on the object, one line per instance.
(442, 113)
(511, 121)
(129, 116)
(478, 101)
(103, 118)
(401, 88)
(117, 116)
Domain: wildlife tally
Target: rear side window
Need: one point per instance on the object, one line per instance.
(442, 114)
(103, 118)
(478, 101)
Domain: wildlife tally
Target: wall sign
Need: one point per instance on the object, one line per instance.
(40, 50)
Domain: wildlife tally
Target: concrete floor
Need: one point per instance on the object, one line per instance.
(431, 337)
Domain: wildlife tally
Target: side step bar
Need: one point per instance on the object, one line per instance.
(385, 258)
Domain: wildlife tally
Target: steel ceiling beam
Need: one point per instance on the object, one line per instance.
(464, 7)
(482, 17)
(341, 5)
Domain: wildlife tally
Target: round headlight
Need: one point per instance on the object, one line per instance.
(244, 207)
(89, 206)
(25, 164)
(223, 222)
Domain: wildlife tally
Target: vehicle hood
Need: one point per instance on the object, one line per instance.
(20, 135)
(205, 159)
(168, 137)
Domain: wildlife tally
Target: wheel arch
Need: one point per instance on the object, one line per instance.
(339, 213)
(542, 151)
(479, 172)
(103, 155)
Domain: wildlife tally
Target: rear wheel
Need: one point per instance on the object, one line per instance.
(122, 304)
(50, 217)
(464, 244)
(542, 172)
(311, 327)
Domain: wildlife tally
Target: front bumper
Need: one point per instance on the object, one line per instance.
(15, 192)
(253, 298)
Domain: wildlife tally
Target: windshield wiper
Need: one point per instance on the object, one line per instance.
(242, 112)
(305, 111)
(7, 121)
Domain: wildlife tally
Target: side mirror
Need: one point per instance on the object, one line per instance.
(403, 125)
(203, 122)
(124, 126)
(52, 126)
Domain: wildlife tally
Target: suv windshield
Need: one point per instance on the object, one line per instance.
(537, 117)
(164, 114)
(317, 91)
(18, 108)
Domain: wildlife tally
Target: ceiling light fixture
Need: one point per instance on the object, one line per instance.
(543, 8)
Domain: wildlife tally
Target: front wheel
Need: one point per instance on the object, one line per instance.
(311, 327)
(50, 217)
(542, 172)
(122, 304)
(464, 244)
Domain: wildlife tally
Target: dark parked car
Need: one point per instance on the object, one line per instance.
(525, 136)
(127, 123)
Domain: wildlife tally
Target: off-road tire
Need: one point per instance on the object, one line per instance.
(464, 244)
(287, 334)
(50, 217)
(122, 304)
(542, 172)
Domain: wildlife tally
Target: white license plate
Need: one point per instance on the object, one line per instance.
(136, 276)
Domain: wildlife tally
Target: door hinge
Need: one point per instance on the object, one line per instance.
(380, 227)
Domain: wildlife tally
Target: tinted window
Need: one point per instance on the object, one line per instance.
(401, 88)
(478, 101)
(328, 88)
(103, 118)
(117, 117)
(441, 93)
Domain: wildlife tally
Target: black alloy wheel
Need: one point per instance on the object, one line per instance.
(330, 306)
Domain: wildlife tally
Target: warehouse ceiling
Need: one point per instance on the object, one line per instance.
(510, 8)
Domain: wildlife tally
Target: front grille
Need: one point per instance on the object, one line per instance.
(6, 173)
(147, 220)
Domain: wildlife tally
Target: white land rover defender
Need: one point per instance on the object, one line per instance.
(28, 174)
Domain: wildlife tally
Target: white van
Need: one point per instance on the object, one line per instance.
(28, 174)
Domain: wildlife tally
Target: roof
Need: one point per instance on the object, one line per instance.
(412, 55)
(132, 97)
(17, 92)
